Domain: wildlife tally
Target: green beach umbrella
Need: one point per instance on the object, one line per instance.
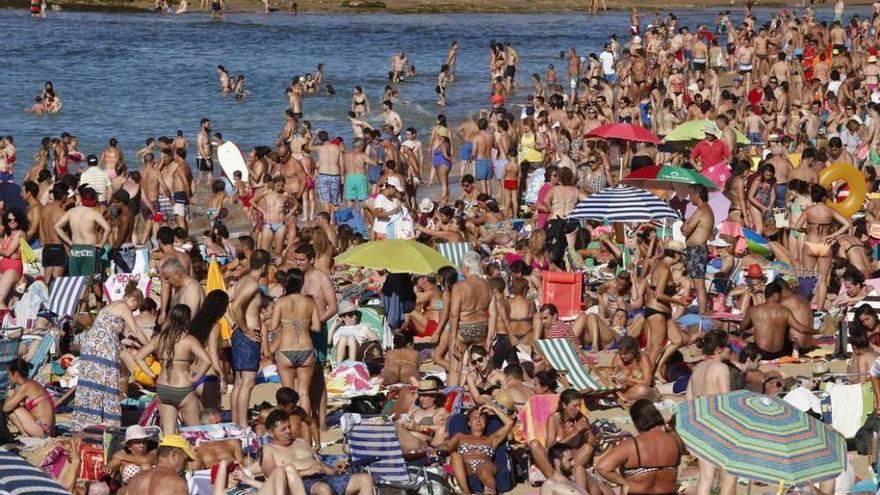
(395, 256)
(760, 438)
(666, 177)
(694, 130)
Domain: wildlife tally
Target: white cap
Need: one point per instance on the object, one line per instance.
(394, 182)
(637, 39)
(719, 242)
(426, 205)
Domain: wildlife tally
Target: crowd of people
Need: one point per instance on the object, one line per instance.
(782, 99)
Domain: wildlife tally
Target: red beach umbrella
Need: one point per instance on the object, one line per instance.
(626, 132)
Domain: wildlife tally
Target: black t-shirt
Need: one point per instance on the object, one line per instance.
(10, 195)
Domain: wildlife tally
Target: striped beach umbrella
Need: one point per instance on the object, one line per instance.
(760, 438)
(21, 478)
(622, 204)
(757, 243)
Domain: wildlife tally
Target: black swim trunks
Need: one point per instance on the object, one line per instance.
(205, 164)
(510, 71)
(54, 255)
(696, 258)
(786, 350)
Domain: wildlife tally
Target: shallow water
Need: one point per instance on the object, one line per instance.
(131, 76)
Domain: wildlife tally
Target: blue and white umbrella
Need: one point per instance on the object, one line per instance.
(622, 204)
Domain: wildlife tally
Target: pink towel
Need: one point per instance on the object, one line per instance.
(533, 417)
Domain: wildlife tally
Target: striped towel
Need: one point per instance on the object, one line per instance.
(454, 251)
(563, 358)
(20, 478)
(65, 294)
(379, 441)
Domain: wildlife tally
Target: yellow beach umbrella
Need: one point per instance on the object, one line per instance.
(215, 278)
(395, 256)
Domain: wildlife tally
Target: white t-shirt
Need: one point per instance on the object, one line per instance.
(382, 201)
(607, 59)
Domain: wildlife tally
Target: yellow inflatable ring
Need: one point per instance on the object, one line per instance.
(853, 178)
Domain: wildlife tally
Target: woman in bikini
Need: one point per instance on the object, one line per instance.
(646, 464)
(735, 191)
(360, 104)
(297, 317)
(658, 307)
(473, 453)
(482, 380)
(819, 218)
(28, 405)
(177, 350)
(446, 278)
(762, 197)
(560, 201)
(15, 227)
(521, 315)
(419, 426)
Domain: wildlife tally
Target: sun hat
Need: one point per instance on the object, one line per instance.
(755, 271)
(136, 432)
(426, 205)
(346, 307)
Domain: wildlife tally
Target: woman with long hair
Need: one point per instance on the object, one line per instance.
(28, 404)
(15, 227)
(296, 317)
(177, 350)
(735, 191)
(205, 328)
(762, 196)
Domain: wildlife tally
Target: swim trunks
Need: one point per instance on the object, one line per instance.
(245, 352)
(483, 169)
(54, 255)
(337, 482)
(786, 350)
(356, 187)
(329, 189)
(83, 260)
(145, 210)
(205, 164)
(696, 258)
(181, 204)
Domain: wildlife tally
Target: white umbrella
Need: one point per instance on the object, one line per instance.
(622, 204)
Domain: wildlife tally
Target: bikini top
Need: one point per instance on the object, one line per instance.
(634, 471)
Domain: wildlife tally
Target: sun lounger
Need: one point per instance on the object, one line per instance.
(563, 357)
(65, 296)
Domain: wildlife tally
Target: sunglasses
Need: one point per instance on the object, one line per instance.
(347, 315)
(477, 360)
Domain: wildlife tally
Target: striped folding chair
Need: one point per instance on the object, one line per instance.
(377, 447)
(21, 478)
(65, 295)
(41, 355)
(454, 251)
(8, 352)
(563, 357)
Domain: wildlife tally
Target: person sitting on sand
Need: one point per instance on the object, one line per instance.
(401, 363)
(863, 357)
(635, 373)
(28, 404)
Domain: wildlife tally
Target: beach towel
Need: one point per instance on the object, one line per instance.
(221, 431)
(533, 417)
(27, 308)
(847, 408)
(114, 288)
(349, 379)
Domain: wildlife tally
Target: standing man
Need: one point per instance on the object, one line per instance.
(96, 178)
(319, 286)
(30, 192)
(248, 341)
(711, 150)
(698, 229)
(181, 188)
(88, 234)
(355, 162)
(178, 287)
(54, 252)
(329, 182)
(484, 141)
(204, 159)
(607, 59)
(511, 60)
(151, 186)
(122, 250)
(271, 201)
(391, 118)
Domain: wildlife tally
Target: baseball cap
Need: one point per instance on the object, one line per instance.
(92, 160)
(426, 205)
(178, 441)
(394, 182)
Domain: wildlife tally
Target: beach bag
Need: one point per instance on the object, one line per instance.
(402, 227)
(92, 465)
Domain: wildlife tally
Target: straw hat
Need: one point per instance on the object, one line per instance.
(346, 307)
(428, 387)
(676, 246)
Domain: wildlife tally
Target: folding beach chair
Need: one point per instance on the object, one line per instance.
(564, 290)
(41, 355)
(457, 423)
(454, 251)
(19, 477)
(563, 357)
(8, 351)
(375, 445)
(65, 295)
